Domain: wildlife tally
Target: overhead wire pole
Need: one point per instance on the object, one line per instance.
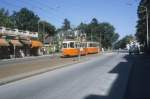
(79, 43)
(100, 43)
(147, 16)
(91, 36)
(38, 26)
(147, 25)
(35, 7)
(43, 31)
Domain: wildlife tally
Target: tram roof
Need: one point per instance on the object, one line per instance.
(91, 42)
(68, 41)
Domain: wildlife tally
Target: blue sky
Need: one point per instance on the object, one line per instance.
(122, 14)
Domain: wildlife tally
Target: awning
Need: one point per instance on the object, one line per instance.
(27, 42)
(15, 42)
(36, 43)
(3, 42)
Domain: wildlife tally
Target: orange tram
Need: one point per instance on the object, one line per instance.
(74, 48)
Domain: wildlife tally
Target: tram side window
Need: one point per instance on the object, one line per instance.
(76, 45)
(94, 45)
(64, 45)
(71, 44)
(91, 45)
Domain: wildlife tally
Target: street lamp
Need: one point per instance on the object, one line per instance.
(100, 40)
(147, 16)
(43, 30)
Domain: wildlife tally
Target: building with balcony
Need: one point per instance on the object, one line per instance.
(18, 43)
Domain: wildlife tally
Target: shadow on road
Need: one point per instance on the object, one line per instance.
(139, 82)
(118, 88)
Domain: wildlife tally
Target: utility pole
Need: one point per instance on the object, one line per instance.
(91, 37)
(100, 43)
(147, 25)
(43, 32)
(38, 26)
(79, 40)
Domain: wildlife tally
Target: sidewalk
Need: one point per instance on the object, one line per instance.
(139, 80)
(12, 70)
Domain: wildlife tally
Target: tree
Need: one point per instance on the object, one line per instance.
(141, 23)
(25, 20)
(66, 24)
(93, 29)
(123, 42)
(5, 18)
(115, 37)
(46, 29)
(100, 32)
(94, 22)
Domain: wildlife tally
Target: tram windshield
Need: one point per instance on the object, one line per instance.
(64, 45)
(71, 44)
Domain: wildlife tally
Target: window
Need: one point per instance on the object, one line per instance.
(91, 45)
(64, 45)
(76, 45)
(8, 29)
(20, 31)
(1, 29)
(71, 44)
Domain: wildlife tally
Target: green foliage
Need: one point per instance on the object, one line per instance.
(100, 32)
(123, 42)
(25, 20)
(46, 28)
(66, 24)
(141, 23)
(5, 18)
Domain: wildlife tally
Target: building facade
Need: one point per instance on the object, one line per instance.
(16, 43)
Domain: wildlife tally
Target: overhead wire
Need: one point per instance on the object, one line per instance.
(36, 8)
(43, 8)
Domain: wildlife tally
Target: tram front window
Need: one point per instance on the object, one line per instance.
(71, 44)
(64, 45)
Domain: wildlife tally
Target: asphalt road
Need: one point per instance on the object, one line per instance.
(102, 77)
